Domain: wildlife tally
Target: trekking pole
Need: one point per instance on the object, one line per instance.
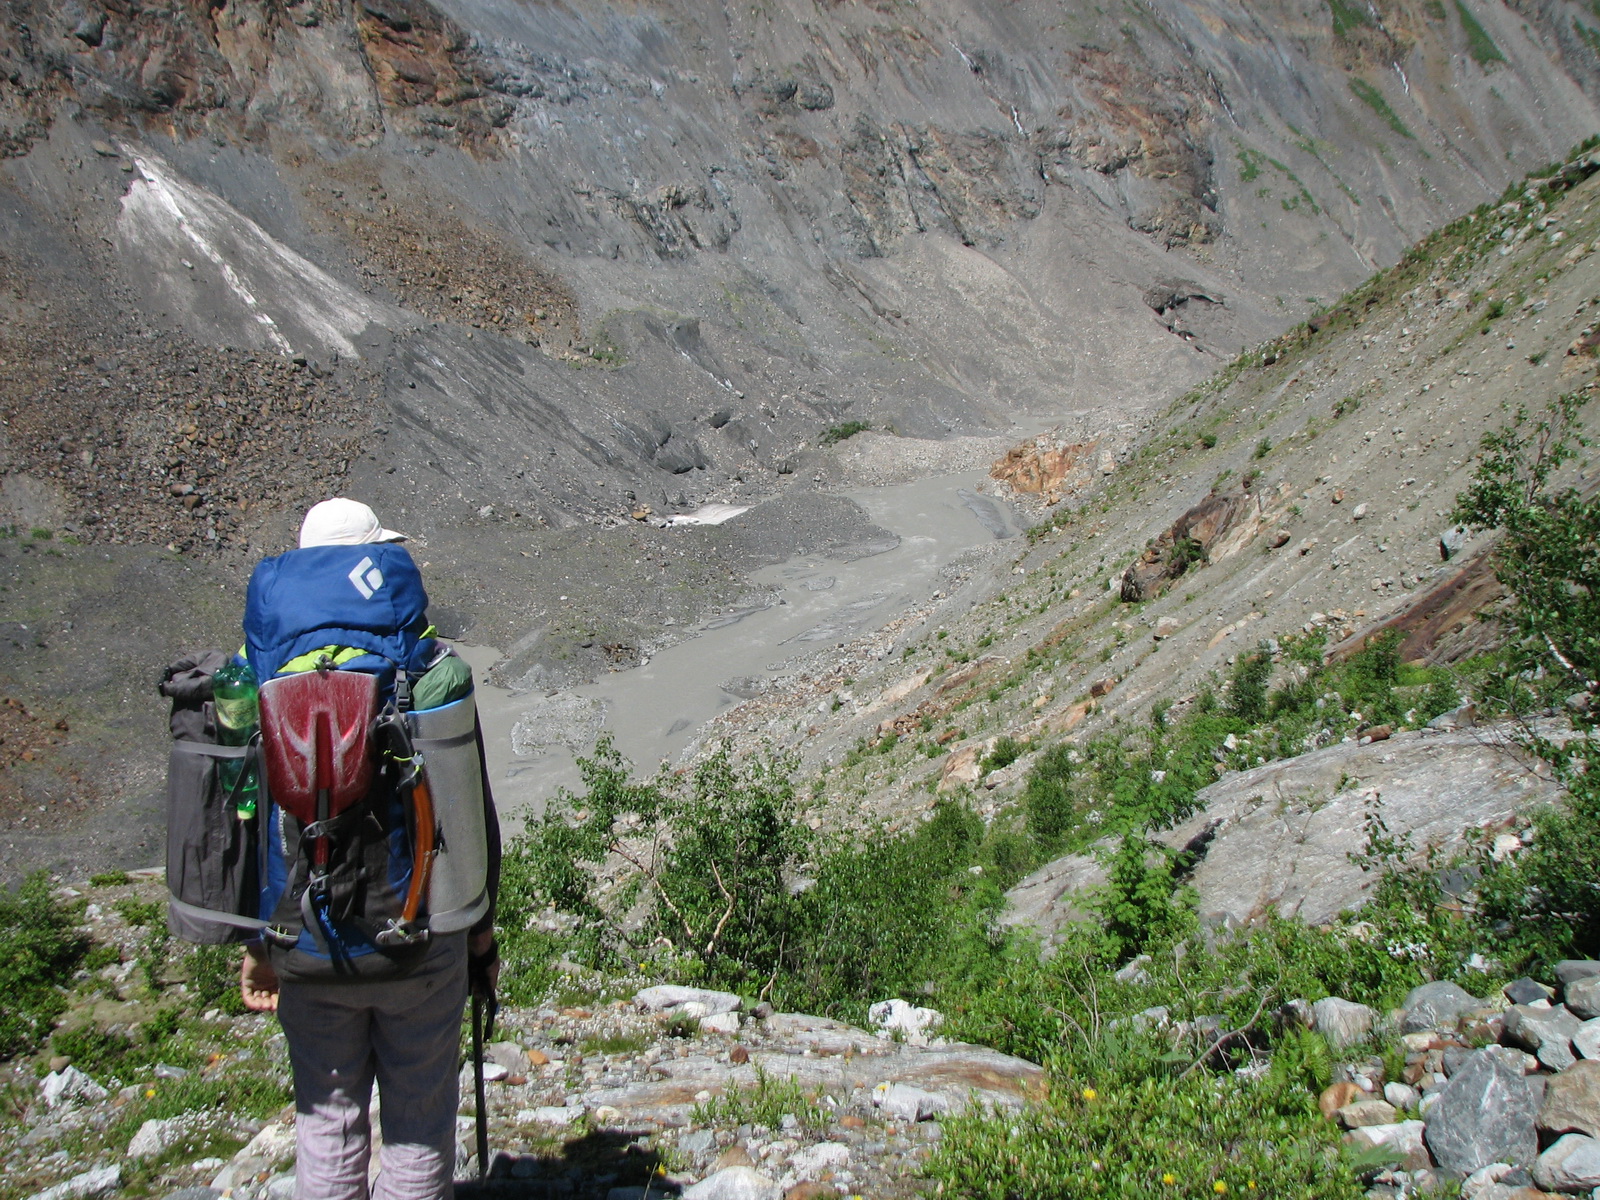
(477, 1080)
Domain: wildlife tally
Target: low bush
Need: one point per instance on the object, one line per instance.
(40, 947)
(835, 434)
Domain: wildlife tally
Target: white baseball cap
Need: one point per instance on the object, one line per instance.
(341, 522)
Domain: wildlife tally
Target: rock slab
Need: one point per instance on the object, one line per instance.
(1342, 1022)
(1572, 1101)
(734, 1183)
(1484, 1114)
(1571, 1165)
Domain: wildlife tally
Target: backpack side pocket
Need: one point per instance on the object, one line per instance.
(213, 869)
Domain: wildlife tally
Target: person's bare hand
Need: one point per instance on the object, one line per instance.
(258, 983)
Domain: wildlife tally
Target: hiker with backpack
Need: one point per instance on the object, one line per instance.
(364, 877)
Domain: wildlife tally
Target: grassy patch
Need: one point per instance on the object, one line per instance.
(1479, 44)
(766, 1103)
(1348, 17)
(615, 1043)
(39, 950)
(1373, 99)
(835, 434)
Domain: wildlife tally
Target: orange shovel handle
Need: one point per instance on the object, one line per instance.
(422, 868)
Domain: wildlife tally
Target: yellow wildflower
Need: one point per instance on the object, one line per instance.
(1220, 1188)
(149, 1093)
(1169, 1177)
(1089, 1093)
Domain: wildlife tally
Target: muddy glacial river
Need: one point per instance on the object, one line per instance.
(657, 709)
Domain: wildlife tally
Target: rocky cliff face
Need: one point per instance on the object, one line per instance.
(929, 216)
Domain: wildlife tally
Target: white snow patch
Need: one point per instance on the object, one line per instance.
(709, 514)
(269, 295)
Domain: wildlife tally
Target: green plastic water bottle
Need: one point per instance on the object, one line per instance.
(234, 695)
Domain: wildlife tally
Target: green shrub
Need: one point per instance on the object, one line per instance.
(1247, 691)
(835, 434)
(139, 912)
(214, 979)
(1135, 1133)
(1541, 905)
(39, 950)
(1548, 556)
(97, 1051)
(1047, 801)
(706, 857)
(888, 917)
(1007, 750)
(765, 1103)
(1138, 904)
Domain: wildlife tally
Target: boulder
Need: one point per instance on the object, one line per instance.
(1583, 997)
(1191, 540)
(1587, 1040)
(68, 1084)
(1278, 836)
(1367, 1112)
(1401, 1095)
(686, 1001)
(1571, 1165)
(734, 1183)
(907, 1103)
(724, 1022)
(1572, 1101)
(1437, 1005)
(815, 1161)
(272, 1148)
(1527, 991)
(154, 1137)
(1570, 970)
(893, 1018)
(1484, 1114)
(508, 1055)
(1342, 1022)
(1405, 1138)
(1474, 1186)
(83, 1186)
(1546, 1033)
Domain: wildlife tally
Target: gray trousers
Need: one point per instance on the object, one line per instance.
(406, 1034)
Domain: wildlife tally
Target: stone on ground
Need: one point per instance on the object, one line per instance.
(686, 1001)
(1572, 1101)
(1544, 1032)
(1571, 1165)
(1570, 970)
(80, 1187)
(1437, 1005)
(1342, 1022)
(734, 1183)
(1583, 997)
(1484, 1114)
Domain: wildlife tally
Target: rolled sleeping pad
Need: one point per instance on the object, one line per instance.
(446, 737)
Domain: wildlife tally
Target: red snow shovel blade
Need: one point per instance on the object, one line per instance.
(315, 732)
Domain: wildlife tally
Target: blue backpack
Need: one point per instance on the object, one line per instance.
(348, 865)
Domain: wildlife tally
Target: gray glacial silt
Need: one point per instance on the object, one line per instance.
(655, 710)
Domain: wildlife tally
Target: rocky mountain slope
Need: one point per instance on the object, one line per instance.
(1311, 484)
(530, 278)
